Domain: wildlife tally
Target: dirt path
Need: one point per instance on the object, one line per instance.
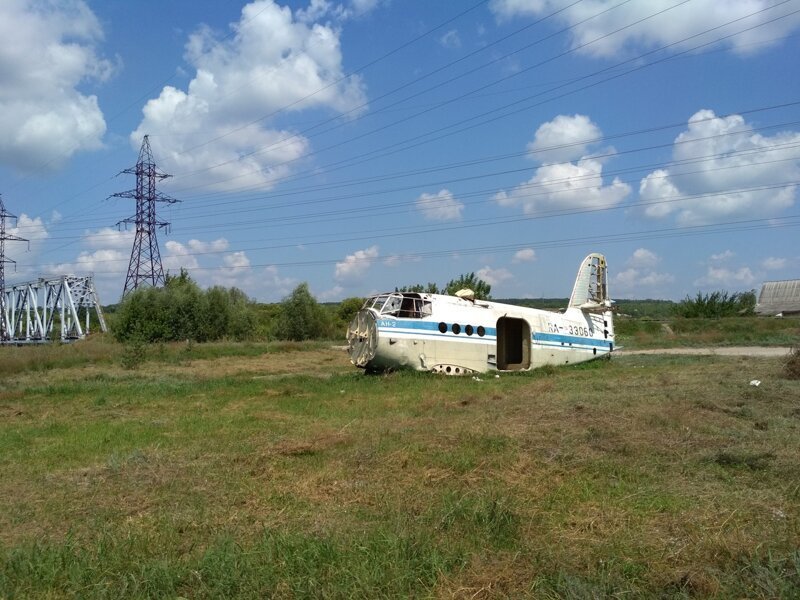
(722, 351)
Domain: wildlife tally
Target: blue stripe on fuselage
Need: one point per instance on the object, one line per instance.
(555, 338)
(431, 328)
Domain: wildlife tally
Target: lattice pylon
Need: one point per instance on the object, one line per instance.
(5, 334)
(145, 264)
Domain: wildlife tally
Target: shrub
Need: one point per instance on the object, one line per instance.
(791, 368)
(182, 311)
(300, 317)
(133, 354)
(717, 304)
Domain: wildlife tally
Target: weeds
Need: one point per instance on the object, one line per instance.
(791, 367)
(134, 354)
(755, 461)
(281, 471)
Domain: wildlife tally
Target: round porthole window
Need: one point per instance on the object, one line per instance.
(481, 331)
(469, 330)
(456, 328)
(443, 327)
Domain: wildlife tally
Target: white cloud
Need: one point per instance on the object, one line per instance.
(198, 246)
(236, 261)
(107, 266)
(524, 255)
(47, 50)
(364, 6)
(354, 267)
(633, 279)
(671, 27)
(178, 256)
(335, 293)
(393, 260)
(107, 237)
(565, 186)
(724, 277)
(266, 284)
(563, 139)
(279, 287)
(494, 276)
(641, 274)
(440, 207)
(87, 263)
(774, 264)
(25, 254)
(728, 161)
(643, 258)
(450, 39)
(28, 228)
(723, 256)
(655, 190)
(272, 62)
(316, 11)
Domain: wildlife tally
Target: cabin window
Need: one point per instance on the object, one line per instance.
(403, 305)
(513, 344)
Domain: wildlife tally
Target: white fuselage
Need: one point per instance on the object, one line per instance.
(447, 334)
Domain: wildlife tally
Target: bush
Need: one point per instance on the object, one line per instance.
(300, 317)
(791, 368)
(717, 304)
(182, 311)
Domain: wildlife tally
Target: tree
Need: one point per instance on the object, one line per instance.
(182, 311)
(348, 308)
(418, 288)
(471, 281)
(300, 316)
(717, 304)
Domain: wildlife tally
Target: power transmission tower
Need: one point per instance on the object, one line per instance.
(145, 265)
(5, 333)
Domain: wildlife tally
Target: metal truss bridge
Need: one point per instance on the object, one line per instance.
(49, 310)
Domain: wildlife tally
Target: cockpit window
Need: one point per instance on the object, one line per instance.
(376, 302)
(403, 305)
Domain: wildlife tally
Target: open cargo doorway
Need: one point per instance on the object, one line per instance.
(513, 344)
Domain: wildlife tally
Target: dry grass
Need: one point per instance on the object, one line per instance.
(792, 366)
(650, 475)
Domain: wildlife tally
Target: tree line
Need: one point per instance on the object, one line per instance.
(181, 310)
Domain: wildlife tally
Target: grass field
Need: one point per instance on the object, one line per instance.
(281, 471)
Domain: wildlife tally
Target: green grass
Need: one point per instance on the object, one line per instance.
(284, 472)
(731, 331)
(101, 349)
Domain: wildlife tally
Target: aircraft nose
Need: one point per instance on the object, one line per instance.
(362, 338)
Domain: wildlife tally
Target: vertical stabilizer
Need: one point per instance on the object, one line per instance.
(591, 285)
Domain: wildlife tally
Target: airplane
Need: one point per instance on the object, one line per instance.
(461, 335)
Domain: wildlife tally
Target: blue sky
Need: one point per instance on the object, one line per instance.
(360, 145)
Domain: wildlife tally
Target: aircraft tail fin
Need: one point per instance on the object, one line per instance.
(591, 286)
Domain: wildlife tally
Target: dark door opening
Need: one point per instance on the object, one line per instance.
(513, 344)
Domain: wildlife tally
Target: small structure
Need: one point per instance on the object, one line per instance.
(779, 298)
(41, 311)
